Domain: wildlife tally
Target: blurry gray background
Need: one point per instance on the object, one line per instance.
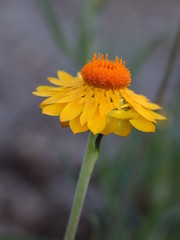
(40, 161)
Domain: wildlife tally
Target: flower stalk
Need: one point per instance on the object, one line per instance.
(91, 155)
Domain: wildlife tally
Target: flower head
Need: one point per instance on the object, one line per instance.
(98, 99)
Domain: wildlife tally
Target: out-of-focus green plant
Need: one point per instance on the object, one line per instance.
(150, 208)
(13, 237)
(80, 51)
(55, 28)
(129, 174)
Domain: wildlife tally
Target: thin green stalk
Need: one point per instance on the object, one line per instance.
(91, 155)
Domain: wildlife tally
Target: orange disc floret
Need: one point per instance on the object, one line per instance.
(105, 73)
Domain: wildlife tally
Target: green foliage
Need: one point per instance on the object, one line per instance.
(79, 52)
(140, 184)
(55, 27)
(15, 237)
(148, 208)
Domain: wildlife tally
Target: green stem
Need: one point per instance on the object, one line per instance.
(91, 155)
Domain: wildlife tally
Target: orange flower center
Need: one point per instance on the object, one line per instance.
(107, 74)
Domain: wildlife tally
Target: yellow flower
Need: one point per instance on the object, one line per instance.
(98, 99)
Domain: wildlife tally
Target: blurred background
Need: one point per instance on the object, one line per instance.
(134, 192)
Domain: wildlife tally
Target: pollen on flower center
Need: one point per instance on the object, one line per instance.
(105, 73)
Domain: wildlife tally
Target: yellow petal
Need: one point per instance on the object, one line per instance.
(88, 111)
(73, 95)
(142, 124)
(76, 90)
(157, 116)
(97, 123)
(71, 110)
(141, 97)
(76, 126)
(97, 95)
(108, 96)
(135, 99)
(116, 100)
(45, 91)
(135, 96)
(110, 126)
(45, 88)
(151, 106)
(54, 98)
(55, 81)
(87, 96)
(124, 128)
(79, 75)
(145, 113)
(68, 80)
(54, 109)
(129, 114)
(65, 76)
(42, 94)
(118, 93)
(105, 107)
(65, 79)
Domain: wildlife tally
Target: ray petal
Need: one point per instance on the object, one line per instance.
(97, 123)
(88, 111)
(124, 128)
(71, 110)
(53, 109)
(143, 124)
(110, 126)
(76, 126)
(129, 114)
